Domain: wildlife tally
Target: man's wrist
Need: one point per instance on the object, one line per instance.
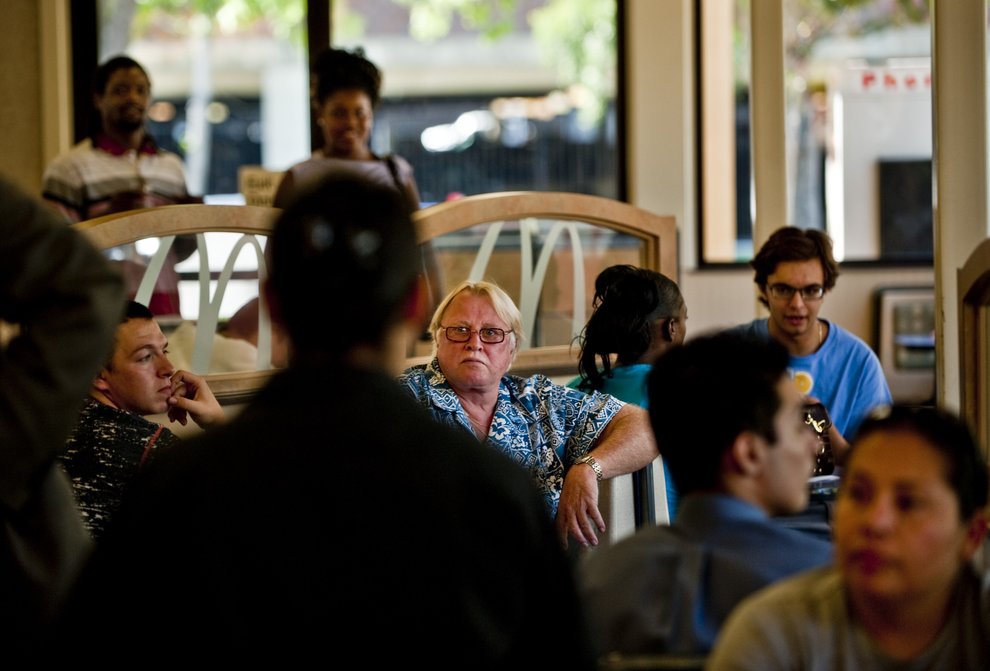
(593, 463)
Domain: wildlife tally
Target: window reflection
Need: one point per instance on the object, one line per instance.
(858, 127)
(477, 110)
(230, 86)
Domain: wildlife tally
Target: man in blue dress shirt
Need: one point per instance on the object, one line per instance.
(731, 425)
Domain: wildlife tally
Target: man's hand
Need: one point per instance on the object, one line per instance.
(192, 397)
(840, 446)
(577, 511)
(625, 445)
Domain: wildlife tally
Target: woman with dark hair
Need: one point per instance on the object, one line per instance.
(345, 89)
(639, 314)
(902, 591)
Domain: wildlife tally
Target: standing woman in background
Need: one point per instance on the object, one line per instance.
(639, 314)
(345, 89)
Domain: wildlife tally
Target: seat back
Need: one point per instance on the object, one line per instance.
(222, 270)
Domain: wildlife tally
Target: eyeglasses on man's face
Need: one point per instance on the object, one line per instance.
(785, 292)
(490, 336)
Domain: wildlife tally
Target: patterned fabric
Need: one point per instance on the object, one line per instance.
(84, 181)
(540, 425)
(103, 455)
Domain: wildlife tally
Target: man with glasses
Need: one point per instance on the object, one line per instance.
(795, 269)
(568, 440)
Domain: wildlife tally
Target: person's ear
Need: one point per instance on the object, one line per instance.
(976, 531)
(745, 456)
(100, 381)
(670, 329)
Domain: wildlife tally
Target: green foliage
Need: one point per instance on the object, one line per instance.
(576, 38)
(430, 20)
(285, 18)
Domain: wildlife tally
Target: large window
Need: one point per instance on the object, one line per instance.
(476, 102)
(478, 96)
(229, 80)
(858, 127)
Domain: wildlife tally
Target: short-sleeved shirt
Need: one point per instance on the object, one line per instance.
(539, 424)
(84, 180)
(392, 172)
(844, 374)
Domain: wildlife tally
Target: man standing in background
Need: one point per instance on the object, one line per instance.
(120, 167)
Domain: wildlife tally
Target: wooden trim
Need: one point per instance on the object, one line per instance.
(657, 232)
(124, 227)
(973, 286)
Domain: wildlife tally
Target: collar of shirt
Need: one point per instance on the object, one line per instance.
(106, 143)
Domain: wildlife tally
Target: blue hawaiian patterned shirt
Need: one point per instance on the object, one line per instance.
(541, 425)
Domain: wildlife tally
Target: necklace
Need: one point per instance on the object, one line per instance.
(820, 337)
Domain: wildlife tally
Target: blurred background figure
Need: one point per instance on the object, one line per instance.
(639, 314)
(903, 591)
(235, 345)
(345, 89)
(119, 167)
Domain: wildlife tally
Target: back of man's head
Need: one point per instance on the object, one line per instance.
(707, 392)
(343, 261)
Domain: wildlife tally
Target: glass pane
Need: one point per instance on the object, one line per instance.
(562, 260)
(225, 304)
(525, 101)
(230, 85)
(858, 127)
(727, 182)
(859, 133)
